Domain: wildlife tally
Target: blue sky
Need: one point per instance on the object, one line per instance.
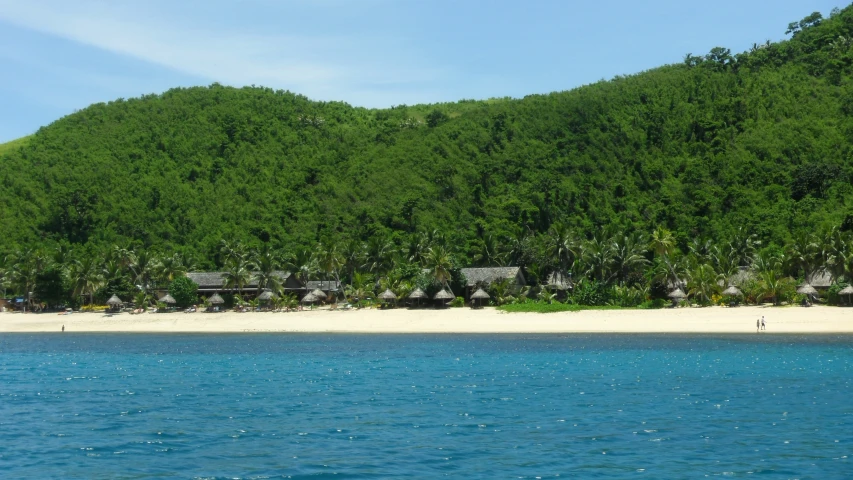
(59, 56)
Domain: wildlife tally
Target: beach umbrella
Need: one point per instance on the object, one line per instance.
(114, 300)
(417, 295)
(806, 289)
(388, 295)
(732, 291)
(310, 298)
(677, 294)
(215, 299)
(167, 299)
(443, 295)
(480, 295)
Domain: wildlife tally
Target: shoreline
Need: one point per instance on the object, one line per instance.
(719, 320)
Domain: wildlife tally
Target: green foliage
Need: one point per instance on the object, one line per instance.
(457, 302)
(183, 290)
(759, 139)
(653, 304)
(676, 176)
(832, 296)
(591, 293)
(13, 145)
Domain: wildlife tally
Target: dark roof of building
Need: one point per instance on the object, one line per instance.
(488, 275)
(324, 285)
(217, 279)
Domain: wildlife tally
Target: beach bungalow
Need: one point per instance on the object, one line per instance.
(483, 277)
(821, 279)
(214, 282)
(327, 286)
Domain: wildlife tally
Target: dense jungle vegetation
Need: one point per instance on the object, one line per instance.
(686, 171)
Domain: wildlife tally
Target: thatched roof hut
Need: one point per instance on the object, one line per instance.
(388, 295)
(443, 295)
(848, 290)
(677, 294)
(267, 295)
(418, 293)
(167, 299)
(114, 300)
(216, 299)
(319, 293)
(488, 275)
(732, 291)
(806, 289)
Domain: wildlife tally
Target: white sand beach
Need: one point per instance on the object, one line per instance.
(818, 319)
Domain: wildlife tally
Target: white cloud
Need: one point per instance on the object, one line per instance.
(331, 67)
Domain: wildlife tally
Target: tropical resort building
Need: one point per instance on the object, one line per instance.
(484, 277)
(215, 282)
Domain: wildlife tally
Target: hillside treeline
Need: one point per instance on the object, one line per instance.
(718, 148)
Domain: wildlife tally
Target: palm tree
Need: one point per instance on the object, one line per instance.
(268, 262)
(5, 279)
(561, 251)
(170, 267)
(358, 290)
(518, 248)
(330, 261)
(703, 283)
(439, 261)
(742, 247)
(353, 256)
(598, 258)
(662, 244)
(379, 255)
(628, 256)
(140, 299)
(801, 255)
(487, 253)
(304, 265)
(772, 285)
(703, 251)
(86, 276)
(26, 266)
(237, 273)
(767, 262)
(142, 265)
(501, 291)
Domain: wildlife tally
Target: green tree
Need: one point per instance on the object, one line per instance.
(184, 291)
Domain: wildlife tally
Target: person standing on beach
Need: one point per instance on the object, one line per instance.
(63, 328)
(763, 326)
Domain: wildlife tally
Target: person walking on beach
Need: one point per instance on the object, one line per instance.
(763, 326)
(63, 329)
(757, 325)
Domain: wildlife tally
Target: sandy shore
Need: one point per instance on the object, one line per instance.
(457, 320)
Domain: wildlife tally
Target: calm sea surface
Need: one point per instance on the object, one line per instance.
(367, 406)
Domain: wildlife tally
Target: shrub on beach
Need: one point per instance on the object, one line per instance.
(183, 290)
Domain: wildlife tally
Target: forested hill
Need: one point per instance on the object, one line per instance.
(760, 140)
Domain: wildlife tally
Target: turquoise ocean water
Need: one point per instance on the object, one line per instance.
(393, 406)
